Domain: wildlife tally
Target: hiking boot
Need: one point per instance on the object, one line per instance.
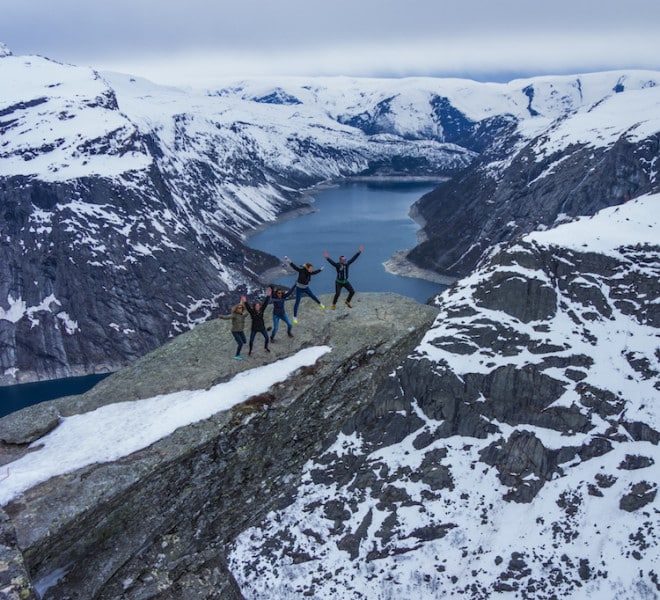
(333, 306)
(348, 304)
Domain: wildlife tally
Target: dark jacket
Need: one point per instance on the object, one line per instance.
(258, 316)
(304, 276)
(278, 303)
(342, 268)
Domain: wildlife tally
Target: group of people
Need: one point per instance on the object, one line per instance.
(279, 297)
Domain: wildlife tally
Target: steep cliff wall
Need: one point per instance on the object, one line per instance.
(139, 196)
(578, 165)
(507, 444)
(515, 452)
(154, 524)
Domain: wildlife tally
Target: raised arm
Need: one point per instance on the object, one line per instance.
(326, 255)
(356, 255)
(292, 265)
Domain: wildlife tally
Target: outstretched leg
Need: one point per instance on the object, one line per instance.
(312, 296)
(337, 292)
(299, 295)
(351, 291)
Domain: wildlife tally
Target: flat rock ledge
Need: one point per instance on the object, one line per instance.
(126, 504)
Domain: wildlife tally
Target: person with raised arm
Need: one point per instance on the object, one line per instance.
(258, 324)
(342, 276)
(302, 288)
(278, 300)
(237, 317)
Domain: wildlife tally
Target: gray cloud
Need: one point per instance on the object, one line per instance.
(183, 42)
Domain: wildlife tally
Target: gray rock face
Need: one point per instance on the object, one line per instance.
(494, 443)
(15, 582)
(148, 215)
(495, 447)
(513, 438)
(144, 269)
(155, 524)
(482, 207)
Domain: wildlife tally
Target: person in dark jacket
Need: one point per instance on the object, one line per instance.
(302, 285)
(342, 277)
(278, 300)
(258, 325)
(237, 317)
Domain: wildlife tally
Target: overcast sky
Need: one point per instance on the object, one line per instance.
(197, 41)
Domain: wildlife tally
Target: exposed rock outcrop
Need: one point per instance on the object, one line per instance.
(154, 524)
(490, 203)
(514, 434)
(518, 443)
(146, 209)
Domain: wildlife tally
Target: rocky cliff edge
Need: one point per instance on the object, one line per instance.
(103, 531)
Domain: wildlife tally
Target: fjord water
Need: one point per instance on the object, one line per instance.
(15, 397)
(371, 214)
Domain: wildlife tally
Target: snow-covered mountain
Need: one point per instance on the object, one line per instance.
(144, 193)
(513, 454)
(602, 151)
(501, 444)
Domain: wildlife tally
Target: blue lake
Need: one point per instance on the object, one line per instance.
(15, 397)
(371, 214)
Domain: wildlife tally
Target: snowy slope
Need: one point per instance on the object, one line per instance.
(61, 122)
(534, 102)
(514, 454)
(577, 152)
(106, 175)
(78, 106)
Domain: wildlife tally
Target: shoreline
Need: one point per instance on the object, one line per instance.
(274, 273)
(399, 265)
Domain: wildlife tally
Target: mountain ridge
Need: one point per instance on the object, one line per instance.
(506, 445)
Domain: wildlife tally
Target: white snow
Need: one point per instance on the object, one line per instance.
(630, 224)
(572, 520)
(47, 141)
(69, 122)
(117, 430)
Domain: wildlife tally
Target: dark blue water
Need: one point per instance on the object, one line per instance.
(15, 397)
(374, 215)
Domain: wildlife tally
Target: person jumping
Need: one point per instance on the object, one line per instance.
(302, 285)
(342, 277)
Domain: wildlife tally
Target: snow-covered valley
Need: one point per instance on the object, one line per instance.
(502, 443)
